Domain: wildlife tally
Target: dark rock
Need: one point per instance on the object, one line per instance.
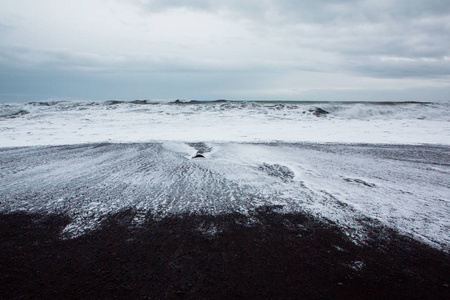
(318, 112)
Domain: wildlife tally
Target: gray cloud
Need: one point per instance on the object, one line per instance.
(234, 47)
(72, 61)
(5, 29)
(353, 29)
(402, 68)
(310, 11)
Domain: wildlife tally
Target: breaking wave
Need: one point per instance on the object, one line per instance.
(8, 111)
(284, 109)
(64, 122)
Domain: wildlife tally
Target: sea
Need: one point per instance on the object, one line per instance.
(64, 122)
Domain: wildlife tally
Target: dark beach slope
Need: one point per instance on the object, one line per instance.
(170, 258)
(266, 252)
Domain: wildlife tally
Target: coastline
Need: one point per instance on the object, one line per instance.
(246, 220)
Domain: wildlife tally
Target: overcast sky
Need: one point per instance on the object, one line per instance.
(231, 49)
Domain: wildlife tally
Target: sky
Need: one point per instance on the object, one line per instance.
(346, 50)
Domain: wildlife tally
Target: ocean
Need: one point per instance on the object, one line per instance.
(61, 123)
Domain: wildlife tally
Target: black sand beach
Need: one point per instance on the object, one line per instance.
(263, 253)
(282, 256)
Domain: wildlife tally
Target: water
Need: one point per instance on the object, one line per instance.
(57, 123)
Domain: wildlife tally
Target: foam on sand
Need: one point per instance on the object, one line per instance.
(402, 187)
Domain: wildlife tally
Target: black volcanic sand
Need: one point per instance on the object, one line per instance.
(275, 256)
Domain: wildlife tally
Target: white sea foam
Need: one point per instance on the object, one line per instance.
(403, 187)
(56, 123)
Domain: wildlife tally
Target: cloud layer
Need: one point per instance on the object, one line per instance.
(267, 48)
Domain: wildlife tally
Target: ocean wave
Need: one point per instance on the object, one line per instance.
(12, 111)
(273, 109)
(68, 122)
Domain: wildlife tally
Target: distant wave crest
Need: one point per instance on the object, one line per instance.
(272, 109)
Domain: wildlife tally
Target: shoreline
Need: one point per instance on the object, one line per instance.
(279, 220)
